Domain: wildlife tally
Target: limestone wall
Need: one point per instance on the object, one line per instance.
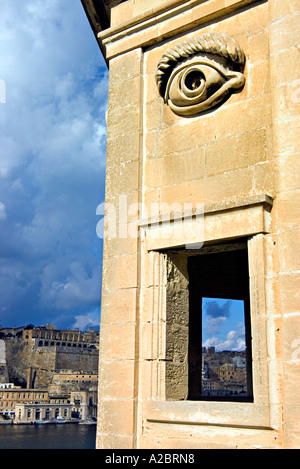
(240, 161)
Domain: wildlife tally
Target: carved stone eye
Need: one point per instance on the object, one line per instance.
(199, 74)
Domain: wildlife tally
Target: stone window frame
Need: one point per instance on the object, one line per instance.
(220, 222)
(178, 320)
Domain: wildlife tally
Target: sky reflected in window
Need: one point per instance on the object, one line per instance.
(223, 324)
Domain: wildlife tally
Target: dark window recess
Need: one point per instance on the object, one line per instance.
(219, 350)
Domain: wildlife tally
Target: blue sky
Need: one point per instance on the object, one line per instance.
(52, 164)
(223, 324)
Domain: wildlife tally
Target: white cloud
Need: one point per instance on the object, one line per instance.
(89, 319)
(11, 155)
(213, 325)
(2, 211)
(235, 340)
(78, 288)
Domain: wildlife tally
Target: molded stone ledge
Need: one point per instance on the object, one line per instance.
(161, 22)
(261, 199)
(225, 414)
(225, 220)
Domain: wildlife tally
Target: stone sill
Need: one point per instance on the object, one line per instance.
(239, 415)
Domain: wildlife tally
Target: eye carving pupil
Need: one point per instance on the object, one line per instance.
(193, 80)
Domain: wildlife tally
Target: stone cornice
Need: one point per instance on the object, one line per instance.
(162, 22)
(228, 220)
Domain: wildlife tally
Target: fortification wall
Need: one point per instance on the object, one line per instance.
(85, 360)
(23, 355)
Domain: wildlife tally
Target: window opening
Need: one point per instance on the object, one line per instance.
(224, 363)
(208, 334)
(219, 327)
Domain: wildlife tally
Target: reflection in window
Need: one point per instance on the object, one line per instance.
(220, 364)
(224, 370)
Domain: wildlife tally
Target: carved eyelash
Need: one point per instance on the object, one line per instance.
(200, 73)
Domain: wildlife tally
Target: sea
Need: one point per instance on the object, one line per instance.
(48, 436)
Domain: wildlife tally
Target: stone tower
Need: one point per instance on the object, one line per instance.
(202, 206)
(3, 366)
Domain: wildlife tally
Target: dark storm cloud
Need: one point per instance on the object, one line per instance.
(52, 164)
(214, 309)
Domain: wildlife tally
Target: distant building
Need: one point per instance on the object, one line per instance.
(48, 373)
(35, 354)
(49, 336)
(79, 406)
(15, 395)
(42, 412)
(33, 405)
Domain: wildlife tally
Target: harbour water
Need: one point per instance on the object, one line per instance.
(54, 436)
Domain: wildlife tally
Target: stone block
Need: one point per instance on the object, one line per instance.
(122, 179)
(125, 66)
(117, 420)
(217, 188)
(150, 298)
(123, 150)
(286, 102)
(152, 113)
(288, 248)
(264, 178)
(120, 272)
(120, 124)
(286, 138)
(291, 423)
(117, 342)
(127, 244)
(289, 290)
(287, 208)
(236, 152)
(279, 10)
(125, 94)
(119, 306)
(114, 441)
(173, 140)
(116, 379)
(173, 169)
(122, 13)
(286, 61)
(258, 47)
(259, 78)
(283, 32)
(242, 117)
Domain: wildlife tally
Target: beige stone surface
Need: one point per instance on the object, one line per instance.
(245, 150)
